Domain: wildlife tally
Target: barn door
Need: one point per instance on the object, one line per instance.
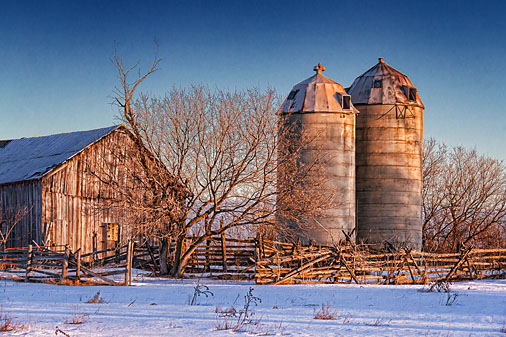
(110, 235)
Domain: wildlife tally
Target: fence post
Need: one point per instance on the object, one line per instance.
(29, 256)
(65, 263)
(261, 245)
(128, 271)
(224, 252)
(207, 266)
(94, 243)
(78, 268)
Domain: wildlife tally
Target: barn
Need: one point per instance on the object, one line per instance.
(47, 182)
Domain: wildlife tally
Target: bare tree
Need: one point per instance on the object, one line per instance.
(222, 148)
(464, 198)
(8, 221)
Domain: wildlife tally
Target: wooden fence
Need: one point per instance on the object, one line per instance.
(60, 264)
(282, 263)
(265, 261)
(224, 257)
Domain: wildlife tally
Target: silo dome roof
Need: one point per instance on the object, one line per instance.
(383, 84)
(318, 94)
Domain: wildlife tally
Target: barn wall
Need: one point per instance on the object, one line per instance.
(22, 196)
(75, 200)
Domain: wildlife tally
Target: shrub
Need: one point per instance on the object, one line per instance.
(325, 312)
(96, 298)
(198, 291)
(7, 324)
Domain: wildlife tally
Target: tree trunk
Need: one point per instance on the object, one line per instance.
(176, 270)
(164, 252)
(183, 258)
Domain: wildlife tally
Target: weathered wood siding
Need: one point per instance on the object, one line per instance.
(74, 208)
(19, 196)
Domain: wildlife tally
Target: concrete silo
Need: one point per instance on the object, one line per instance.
(388, 157)
(321, 110)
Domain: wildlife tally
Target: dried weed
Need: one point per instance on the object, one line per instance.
(96, 298)
(325, 312)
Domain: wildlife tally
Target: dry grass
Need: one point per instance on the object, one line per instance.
(259, 329)
(224, 325)
(226, 312)
(325, 312)
(77, 316)
(96, 298)
(7, 324)
(379, 322)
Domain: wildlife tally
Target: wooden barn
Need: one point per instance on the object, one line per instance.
(47, 182)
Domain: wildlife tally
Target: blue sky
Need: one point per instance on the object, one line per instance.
(56, 73)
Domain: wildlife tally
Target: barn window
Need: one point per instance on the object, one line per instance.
(346, 102)
(292, 94)
(412, 94)
(377, 84)
(405, 91)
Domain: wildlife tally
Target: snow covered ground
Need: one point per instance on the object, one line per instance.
(159, 307)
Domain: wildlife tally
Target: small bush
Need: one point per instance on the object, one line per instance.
(7, 324)
(325, 312)
(96, 298)
(440, 286)
(198, 291)
(244, 316)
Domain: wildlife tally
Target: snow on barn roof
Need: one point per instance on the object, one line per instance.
(318, 94)
(31, 158)
(383, 84)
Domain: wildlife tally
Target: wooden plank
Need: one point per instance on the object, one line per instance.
(97, 275)
(463, 257)
(28, 263)
(303, 267)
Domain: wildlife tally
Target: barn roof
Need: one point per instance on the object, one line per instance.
(318, 93)
(31, 158)
(383, 84)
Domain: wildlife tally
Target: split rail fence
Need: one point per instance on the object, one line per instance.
(265, 261)
(224, 257)
(283, 263)
(60, 264)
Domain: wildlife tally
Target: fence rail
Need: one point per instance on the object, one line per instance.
(265, 261)
(63, 265)
(281, 263)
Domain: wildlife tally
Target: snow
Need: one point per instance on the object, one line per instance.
(160, 307)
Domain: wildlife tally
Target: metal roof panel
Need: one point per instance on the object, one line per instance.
(31, 158)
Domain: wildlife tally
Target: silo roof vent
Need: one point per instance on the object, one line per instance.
(383, 84)
(318, 93)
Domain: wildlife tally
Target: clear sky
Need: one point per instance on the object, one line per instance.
(56, 74)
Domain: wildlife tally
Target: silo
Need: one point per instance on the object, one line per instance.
(388, 157)
(320, 111)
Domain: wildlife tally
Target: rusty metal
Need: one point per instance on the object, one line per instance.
(388, 157)
(318, 106)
